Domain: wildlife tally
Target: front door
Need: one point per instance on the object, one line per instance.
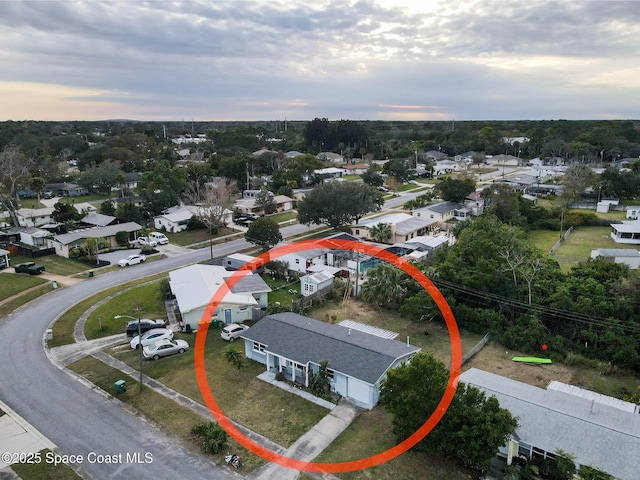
(227, 316)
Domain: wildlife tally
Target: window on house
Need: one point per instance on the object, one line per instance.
(259, 347)
(357, 231)
(243, 308)
(330, 374)
(297, 261)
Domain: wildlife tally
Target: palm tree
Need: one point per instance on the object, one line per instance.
(385, 285)
(234, 357)
(381, 232)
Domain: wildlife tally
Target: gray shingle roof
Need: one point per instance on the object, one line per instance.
(303, 340)
(599, 435)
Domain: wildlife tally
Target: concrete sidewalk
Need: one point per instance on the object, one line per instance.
(18, 436)
(311, 444)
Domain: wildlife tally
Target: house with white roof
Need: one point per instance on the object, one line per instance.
(597, 431)
(466, 157)
(194, 287)
(446, 166)
(626, 232)
(358, 361)
(65, 242)
(315, 282)
(403, 226)
(96, 219)
(176, 218)
(330, 173)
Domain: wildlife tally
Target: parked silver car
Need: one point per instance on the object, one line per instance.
(163, 348)
(151, 336)
(233, 331)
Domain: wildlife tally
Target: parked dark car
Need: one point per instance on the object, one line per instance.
(145, 324)
(29, 267)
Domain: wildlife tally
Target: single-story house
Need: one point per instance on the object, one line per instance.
(315, 282)
(96, 219)
(626, 232)
(357, 169)
(35, 237)
(330, 157)
(466, 157)
(330, 172)
(296, 345)
(443, 211)
(175, 219)
(248, 205)
(65, 242)
(628, 256)
(597, 430)
(293, 154)
(436, 155)
(194, 287)
(4, 258)
(445, 166)
(506, 160)
(67, 189)
(633, 212)
(131, 180)
(403, 226)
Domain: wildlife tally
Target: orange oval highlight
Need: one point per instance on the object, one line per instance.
(349, 466)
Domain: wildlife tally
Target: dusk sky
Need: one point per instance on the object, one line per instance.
(297, 60)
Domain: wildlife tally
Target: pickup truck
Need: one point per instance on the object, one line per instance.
(29, 267)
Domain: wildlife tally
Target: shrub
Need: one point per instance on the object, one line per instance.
(122, 238)
(215, 438)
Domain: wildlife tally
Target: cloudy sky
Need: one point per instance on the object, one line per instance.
(340, 59)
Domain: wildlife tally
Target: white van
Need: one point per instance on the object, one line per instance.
(161, 238)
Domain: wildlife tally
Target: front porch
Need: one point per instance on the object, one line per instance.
(270, 377)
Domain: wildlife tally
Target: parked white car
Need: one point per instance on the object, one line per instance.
(151, 336)
(132, 260)
(233, 331)
(148, 241)
(161, 238)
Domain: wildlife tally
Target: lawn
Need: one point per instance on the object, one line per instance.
(175, 418)
(12, 305)
(280, 290)
(91, 197)
(142, 301)
(577, 248)
(284, 216)
(190, 237)
(44, 470)
(54, 264)
(543, 239)
(245, 399)
(12, 284)
(370, 434)
(63, 327)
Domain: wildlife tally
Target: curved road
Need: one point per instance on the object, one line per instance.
(77, 419)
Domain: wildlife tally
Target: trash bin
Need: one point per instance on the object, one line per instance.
(90, 273)
(49, 334)
(120, 386)
(55, 284)
(220, 324)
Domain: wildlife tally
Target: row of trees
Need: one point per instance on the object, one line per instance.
(495, 281)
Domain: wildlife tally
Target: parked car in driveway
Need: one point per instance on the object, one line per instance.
(150, 336)
(29, 267)
(145, 324)
(147, 241)
(161, 238)
(163, 348)
(233, 331)
(132, 260)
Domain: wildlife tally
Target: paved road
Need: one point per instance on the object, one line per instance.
(79, 420)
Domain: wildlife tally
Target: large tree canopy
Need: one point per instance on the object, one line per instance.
(455, 190)
(264, 232)
(339, 203)
(471, 431)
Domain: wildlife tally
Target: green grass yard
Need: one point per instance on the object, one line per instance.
(54, 264)
(11, 284)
